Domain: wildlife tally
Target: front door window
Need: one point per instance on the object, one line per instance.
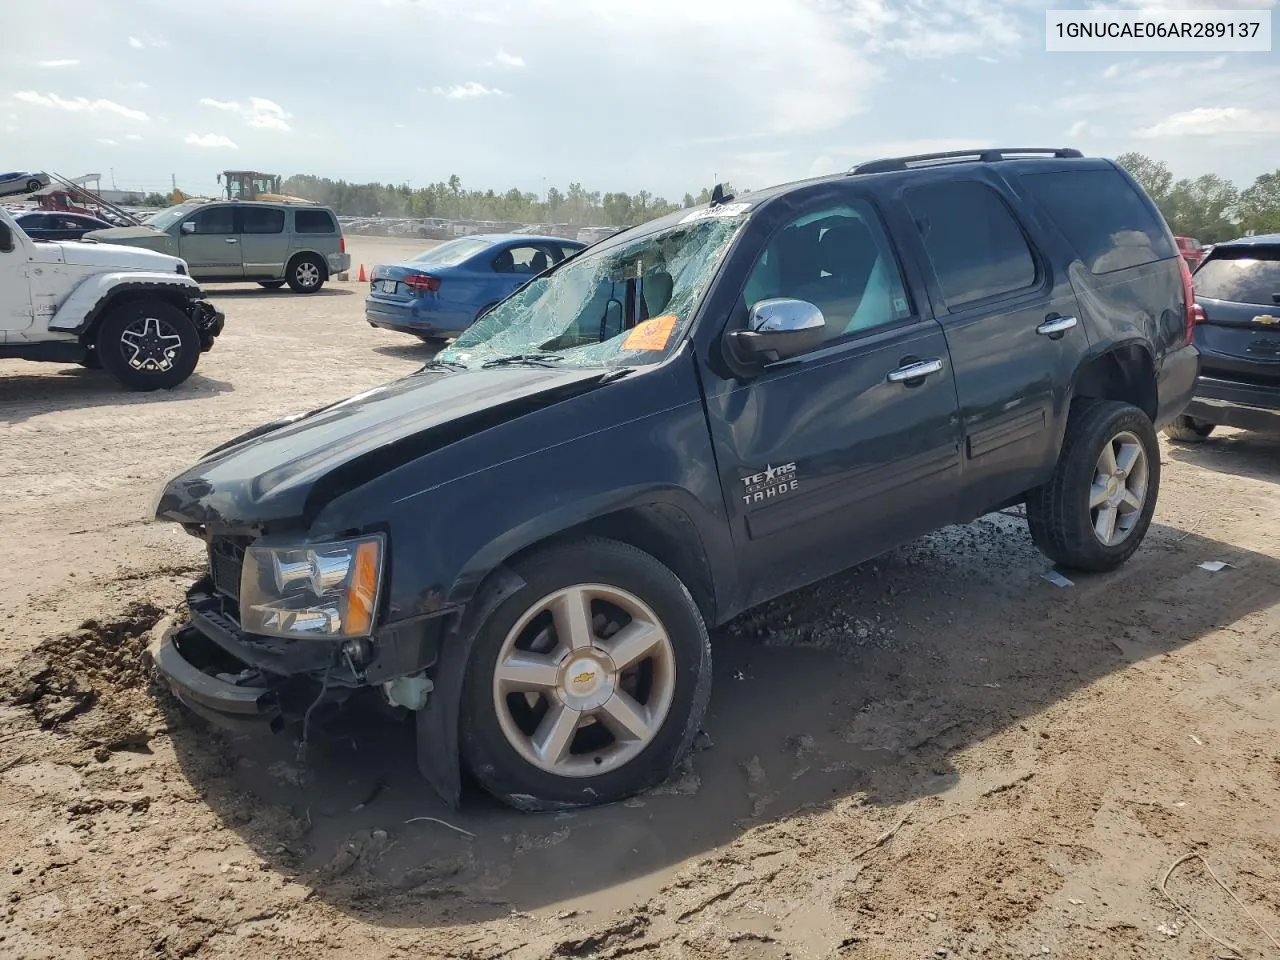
(840, 260)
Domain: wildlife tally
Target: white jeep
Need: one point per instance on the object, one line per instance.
(134, 312)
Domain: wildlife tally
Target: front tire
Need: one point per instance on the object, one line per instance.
(306, 274)
(148, 345)
(33, 185)
(1096, 508)
(589, 683)
(1188, 430)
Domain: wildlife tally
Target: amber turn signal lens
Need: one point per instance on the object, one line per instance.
(361, 592)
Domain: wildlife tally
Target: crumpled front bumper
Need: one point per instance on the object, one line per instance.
(209, 321)
(232, 679)
(247, 703)
(245, 682)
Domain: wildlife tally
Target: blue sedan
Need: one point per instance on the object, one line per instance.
(441, 292)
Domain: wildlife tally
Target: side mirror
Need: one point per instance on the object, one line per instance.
(189, 227)
(781, 328)
(6, 238)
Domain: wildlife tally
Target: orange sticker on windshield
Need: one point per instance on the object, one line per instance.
(651, 334)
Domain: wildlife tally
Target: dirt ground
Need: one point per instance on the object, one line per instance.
(938, 754)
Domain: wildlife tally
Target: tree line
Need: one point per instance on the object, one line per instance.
(449, 199)
(1208, 207)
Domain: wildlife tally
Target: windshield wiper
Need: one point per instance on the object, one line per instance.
(437, 364)
(531, 358)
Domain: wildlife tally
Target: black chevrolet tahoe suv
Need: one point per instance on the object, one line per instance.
(524, 543)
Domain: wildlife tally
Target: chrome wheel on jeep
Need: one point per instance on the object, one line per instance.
(588, 683)
(148, 344)
(151, 344)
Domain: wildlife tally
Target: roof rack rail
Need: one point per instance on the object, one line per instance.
(985, 155)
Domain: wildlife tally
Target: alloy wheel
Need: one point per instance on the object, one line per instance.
(307, 274)
(150, 344)
(584, 680)
(1119, 489)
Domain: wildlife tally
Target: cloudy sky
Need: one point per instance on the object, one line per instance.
(661, 95)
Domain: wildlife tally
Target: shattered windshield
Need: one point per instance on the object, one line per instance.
(169, 216)
(625, 303)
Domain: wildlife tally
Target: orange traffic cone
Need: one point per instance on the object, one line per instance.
(362, 278)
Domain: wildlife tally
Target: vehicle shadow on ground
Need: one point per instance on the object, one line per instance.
(865, 684)
(1240, 453)
(258, 293)
(75, 388)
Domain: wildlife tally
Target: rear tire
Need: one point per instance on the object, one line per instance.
(33, 185)
(148, 345)
(630, 719)
(1188, 430)
(1096, 508)
(306, 274)
(271, 284)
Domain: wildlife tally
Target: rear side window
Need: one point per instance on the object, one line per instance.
(524, 259)
(314, 221)
(1242, 276)
(262, 220)
(977, 248)
(452, 253)
(1102, 217)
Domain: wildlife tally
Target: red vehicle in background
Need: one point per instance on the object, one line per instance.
(1191, 249)
(63, 202)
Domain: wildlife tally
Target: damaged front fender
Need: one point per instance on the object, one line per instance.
(438, 754)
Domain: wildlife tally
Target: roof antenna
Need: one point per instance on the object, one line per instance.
(718, 195)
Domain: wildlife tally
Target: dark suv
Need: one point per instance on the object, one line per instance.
(525, 542)
(1238, 335)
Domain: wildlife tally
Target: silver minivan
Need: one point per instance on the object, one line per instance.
(300, 244)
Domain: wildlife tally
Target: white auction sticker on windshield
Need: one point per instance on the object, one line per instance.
(724, 210)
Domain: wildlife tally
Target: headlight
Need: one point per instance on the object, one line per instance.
(327, 590)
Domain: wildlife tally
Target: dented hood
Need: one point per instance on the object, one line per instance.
(280, 476)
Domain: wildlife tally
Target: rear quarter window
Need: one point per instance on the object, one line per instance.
(314, 221)
(1241, 276)
(1103, 218)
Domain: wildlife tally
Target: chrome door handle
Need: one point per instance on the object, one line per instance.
(231, 240)
(1056, 325)
(914, 371)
